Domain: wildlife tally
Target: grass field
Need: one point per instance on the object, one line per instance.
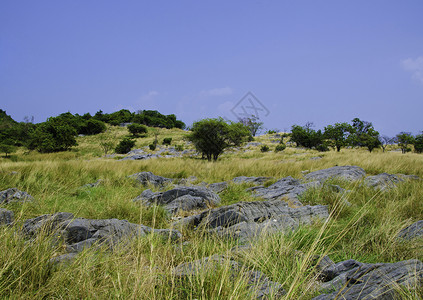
(364, 231)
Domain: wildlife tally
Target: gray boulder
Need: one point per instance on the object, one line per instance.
(78, 234)
(385, 181)
(245, 220)
(14, 195)
(258, 284)
(141, 156)
(285, 188)
(146, 178)
(218, 187)
(349, 173)
(253, 180)
(354, 280)
(183, 198)
(91, 185)
(6, 216)
(415, 230)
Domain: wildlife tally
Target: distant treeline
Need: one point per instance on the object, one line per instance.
(58, 133)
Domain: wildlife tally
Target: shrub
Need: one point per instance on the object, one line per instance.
(280, 147)
(137, 129)
(271, 131)
(306, 136)
(167, 141)
(152, 147)
(7, 149)
(125, 145)
(264, 148)
(179, 148)
(322, 147)
(418, 143)
(92, 126)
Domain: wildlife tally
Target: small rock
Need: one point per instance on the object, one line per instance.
(14, 195)
(253, 180)
(146, 178)
(6, 217)
(413, 231)
(344, 172)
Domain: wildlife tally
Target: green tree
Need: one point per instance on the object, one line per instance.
(306, 136)
(92, 126)
(338, 135)
(253, 124)
(371, 139)
(7, 148)
(418, 143)
(404, 139)
(212, 136)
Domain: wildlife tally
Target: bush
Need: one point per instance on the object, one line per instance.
(306, 136)
(7, 149)
(179, 148)
(264, 148)
(280, 147)
(322, 147)
(137, 129)
(167, 141)
(125, 145)
(93, 126)
(152, 147)
(418, 143)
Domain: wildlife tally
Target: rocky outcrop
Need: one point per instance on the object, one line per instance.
(217, 187)
(259, 285)
(146, 178)
(413, 231)
(286, 188)
(79, 233)
(355, 280)
(385, 181)
(181, 198)
(14, 195)
(6, 217)
(251, 180)
(246, 220)
(141, 156)
(349, 173)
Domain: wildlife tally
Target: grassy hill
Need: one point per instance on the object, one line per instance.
(142, 269)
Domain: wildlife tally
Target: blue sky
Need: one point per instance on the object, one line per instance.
(318, 61)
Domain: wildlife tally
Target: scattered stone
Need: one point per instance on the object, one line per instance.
(316, 158)
(253, 180)
(78, 234)
(94, 184)
(14, 195)
(254, 144)
(343, 172)
(136, 151)
(383, 181)
(259, 284)
(6, 217)
(246, 220)
(415, 230)
(354, 280)
(141, 156)
(181, 198)
(146, 178)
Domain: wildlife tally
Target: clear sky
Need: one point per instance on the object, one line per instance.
(318, 61)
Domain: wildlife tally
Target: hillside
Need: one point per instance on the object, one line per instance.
(269, 235)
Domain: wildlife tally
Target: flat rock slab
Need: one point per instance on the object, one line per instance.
(354, 280)
(349, 173)
(246, 220)
(146, 178)
(385, 181)
(288, 188)
(183, 198)
(78, 234)
(258, 284)
(252, 180)
(413, 231)
(14, 195)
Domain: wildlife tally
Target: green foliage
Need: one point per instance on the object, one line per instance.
(212, 136)
(91, 127)
(7, 149)
(152, 146)
(338, 135)
(271, 131)
(280, 147)
(167, 141)
(404, 139)
(264, 148)
(179, 148)
(125, 145)
(371, 139)
(306, 136)
(52, 136)
(153, 118)
(137, 129)
(418, 143)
